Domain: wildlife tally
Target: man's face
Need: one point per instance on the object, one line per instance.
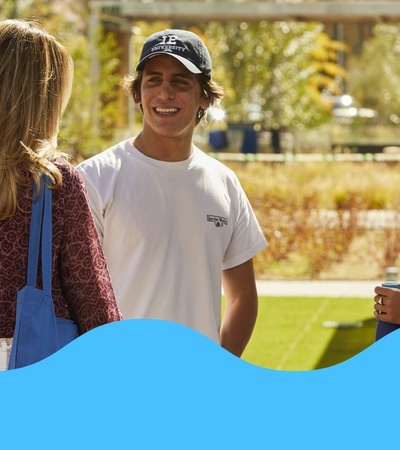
(170, 97)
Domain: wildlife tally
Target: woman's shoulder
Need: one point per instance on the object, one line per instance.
(72, 181)
(68, 171)
(63, 165)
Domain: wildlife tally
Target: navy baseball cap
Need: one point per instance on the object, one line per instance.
(183, 45)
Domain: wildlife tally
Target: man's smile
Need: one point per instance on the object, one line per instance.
(166, 111)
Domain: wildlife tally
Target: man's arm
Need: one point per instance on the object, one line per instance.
(241, 307)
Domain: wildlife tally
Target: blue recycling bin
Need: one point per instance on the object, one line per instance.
(218, 139)
(249, 144)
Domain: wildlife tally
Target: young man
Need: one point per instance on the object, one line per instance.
(174, 222)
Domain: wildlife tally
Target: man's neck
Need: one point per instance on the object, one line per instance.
(163, 148)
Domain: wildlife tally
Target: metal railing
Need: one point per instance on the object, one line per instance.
(307, 157)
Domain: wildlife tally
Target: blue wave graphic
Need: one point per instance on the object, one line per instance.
(152, 384)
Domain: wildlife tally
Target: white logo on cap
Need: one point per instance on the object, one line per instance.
(169, 39)
(168, 44)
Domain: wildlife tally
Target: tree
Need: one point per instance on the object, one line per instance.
(9, 9)
(92, 116)
(274, 71)
(68, 20)
(374, 74)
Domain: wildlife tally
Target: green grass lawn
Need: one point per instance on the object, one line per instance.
(294, 334)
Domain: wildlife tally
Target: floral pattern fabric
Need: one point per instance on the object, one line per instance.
(81, 286)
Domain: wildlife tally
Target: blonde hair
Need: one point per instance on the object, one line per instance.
(36, 75)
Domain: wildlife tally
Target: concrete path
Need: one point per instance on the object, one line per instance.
(362, 289)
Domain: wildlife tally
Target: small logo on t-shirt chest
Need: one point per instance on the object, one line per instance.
(217, 220)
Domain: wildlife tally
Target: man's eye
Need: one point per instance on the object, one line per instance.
(181, 81)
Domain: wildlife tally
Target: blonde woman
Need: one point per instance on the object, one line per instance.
(36, 74)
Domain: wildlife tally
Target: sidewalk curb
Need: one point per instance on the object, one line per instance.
(324, 288)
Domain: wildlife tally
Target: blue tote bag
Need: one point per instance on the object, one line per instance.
(38, 332)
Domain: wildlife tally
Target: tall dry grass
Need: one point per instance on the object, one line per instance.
(310, 213)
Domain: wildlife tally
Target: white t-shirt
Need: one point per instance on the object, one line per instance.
(168, 229)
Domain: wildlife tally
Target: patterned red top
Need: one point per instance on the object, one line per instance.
(81, 284)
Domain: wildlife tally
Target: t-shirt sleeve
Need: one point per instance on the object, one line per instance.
(99, 177)
(247, 239)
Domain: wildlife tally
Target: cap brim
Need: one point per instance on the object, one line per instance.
(189, 65)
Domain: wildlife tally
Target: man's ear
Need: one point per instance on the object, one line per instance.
(205, 102)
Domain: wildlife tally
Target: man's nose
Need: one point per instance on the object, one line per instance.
(166, 91)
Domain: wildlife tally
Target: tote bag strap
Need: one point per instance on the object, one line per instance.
(41, 232)
(47, 241)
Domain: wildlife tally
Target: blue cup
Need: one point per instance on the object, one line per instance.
(384, 328)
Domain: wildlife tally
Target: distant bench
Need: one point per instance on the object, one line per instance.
(369, 148)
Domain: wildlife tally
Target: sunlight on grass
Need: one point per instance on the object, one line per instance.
(290, 333)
